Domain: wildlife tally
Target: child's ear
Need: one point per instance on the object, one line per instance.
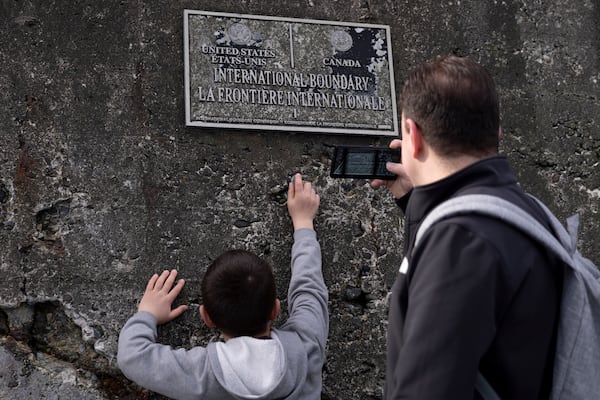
(206, 318)
(276, 309)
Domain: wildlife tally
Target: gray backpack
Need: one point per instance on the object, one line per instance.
(577, 360)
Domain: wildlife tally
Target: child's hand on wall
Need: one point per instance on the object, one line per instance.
(160, 294)
(303, 203)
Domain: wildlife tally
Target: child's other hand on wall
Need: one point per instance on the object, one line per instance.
(159, 296)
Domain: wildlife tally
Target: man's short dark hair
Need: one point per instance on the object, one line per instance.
(238, 293)
(454, 102)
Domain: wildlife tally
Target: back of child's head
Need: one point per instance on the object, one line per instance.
(238, 293)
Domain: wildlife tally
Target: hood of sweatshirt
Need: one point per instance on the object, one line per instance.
(253, 368)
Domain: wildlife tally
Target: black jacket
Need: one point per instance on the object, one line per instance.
(477, 295)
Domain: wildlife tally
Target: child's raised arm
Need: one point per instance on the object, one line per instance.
(303, 203)
(307, 294)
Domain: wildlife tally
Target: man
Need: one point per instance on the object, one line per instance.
(476, 295)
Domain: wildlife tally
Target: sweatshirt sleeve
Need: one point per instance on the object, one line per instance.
(179, 373)
(307, 294)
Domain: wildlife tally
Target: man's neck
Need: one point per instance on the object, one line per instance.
(436, 168)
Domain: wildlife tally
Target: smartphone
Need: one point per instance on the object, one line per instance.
(363, 162)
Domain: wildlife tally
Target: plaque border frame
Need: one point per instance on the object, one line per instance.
(293, 128)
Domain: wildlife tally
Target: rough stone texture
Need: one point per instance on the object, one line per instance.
(101, 184)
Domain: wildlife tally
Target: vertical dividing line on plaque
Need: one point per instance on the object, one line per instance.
(291, 47)
(292, 58)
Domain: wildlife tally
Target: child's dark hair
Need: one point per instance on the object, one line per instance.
(238, 293)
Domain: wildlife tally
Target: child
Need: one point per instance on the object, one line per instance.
(254, 361)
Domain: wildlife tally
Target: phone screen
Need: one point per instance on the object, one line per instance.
(363, 162)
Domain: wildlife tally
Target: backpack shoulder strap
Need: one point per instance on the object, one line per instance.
(505, 211)
(568, 239)
(562, 242)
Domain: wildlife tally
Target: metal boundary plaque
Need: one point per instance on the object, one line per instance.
(259, 72)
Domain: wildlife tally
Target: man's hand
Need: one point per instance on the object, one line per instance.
(160, 294)
(402, 184)
(303, 203)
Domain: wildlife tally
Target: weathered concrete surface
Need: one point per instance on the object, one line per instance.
(101, 184)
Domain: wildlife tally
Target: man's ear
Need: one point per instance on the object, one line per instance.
(276, 309)
(206, 318)
(415, 136)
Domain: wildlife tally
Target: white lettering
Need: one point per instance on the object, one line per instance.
(204, 95)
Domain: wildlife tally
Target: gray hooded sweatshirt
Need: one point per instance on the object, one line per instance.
(287, 366)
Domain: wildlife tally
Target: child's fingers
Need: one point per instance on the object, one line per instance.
(176, 312)
(170, 279)
(298, 182)
(160, 282)
(176, 290)
(291, 189)
(295, 186)
(308, 187)
(151, 282)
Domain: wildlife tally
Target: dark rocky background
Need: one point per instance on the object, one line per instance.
(101, 183)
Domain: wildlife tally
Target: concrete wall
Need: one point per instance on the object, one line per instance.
(101, 183)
